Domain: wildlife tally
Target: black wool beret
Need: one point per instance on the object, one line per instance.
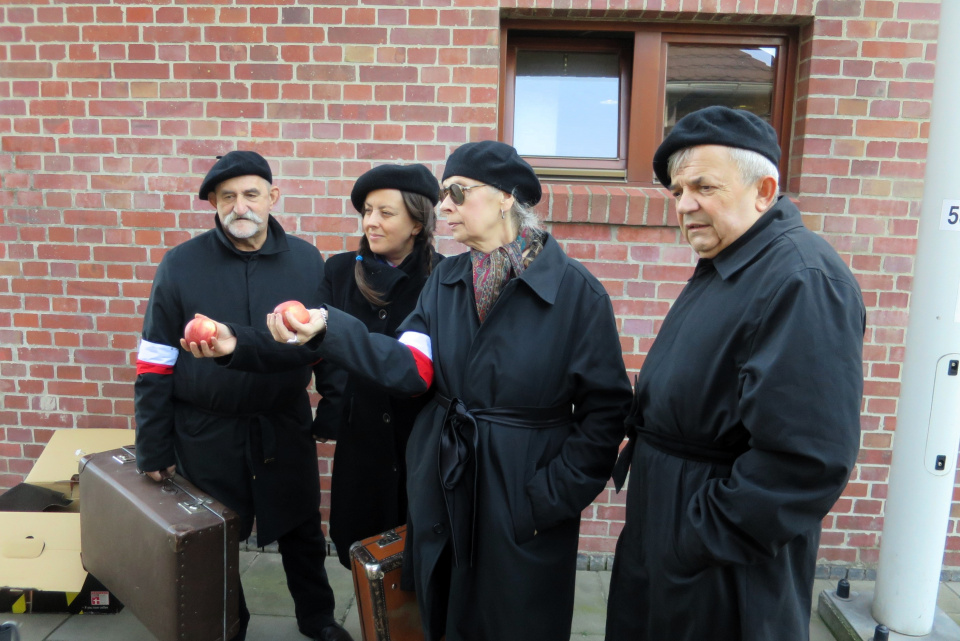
(717, 126)
(497, 164)
(233, 164)
(416, 179)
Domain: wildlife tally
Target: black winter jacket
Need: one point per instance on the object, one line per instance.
(243, 437)
(369, 493)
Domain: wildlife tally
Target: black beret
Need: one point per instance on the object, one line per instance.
(416, 179)
(497, 164)
(233, 164)
(717, 126)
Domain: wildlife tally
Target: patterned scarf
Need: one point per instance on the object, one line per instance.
(491, 272)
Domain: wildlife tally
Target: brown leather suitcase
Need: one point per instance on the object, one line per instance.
(168, 551)
(387, 613)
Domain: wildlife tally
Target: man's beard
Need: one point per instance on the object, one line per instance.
(244, 232)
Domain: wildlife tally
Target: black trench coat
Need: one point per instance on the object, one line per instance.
(748, 418)
(550, 340)
(369, 489)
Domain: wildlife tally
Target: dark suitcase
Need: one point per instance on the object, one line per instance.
(387, 613)
(168, 551)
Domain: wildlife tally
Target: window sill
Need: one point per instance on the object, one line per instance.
(590, 175)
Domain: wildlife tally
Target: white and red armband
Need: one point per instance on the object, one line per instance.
(154, 358)
(422, 349)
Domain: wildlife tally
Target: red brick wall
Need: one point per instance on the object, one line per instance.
(111, 113)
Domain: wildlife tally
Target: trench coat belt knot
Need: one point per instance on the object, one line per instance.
(458, 459)
(262, 436)
(674, 446)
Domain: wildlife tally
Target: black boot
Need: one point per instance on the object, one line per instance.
(334, 632)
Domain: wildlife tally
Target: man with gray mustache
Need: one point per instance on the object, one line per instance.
(243, 232)
(246, 439)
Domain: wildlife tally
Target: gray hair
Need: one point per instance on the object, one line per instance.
(750, 165)
(525, 216)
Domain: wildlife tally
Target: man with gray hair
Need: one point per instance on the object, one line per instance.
(746, 417)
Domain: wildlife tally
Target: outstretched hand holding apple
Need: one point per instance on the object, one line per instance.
(297, 310)
(206, 338)
(286, 327)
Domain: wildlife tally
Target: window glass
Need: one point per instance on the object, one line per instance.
(594, 105)
(567, 104)
(700, 76)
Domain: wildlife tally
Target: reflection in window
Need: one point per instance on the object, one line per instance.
(700, 76)
(567, 104)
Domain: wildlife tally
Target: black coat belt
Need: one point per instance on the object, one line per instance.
(459, 453)
(674, 446)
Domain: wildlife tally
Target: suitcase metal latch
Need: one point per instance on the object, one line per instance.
(127, 455)
(194, 504)
(388, 538)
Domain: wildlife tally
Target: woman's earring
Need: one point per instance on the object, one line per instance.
(503, 214)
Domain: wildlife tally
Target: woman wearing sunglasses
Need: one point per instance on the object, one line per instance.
(517, 346)
(379, 285)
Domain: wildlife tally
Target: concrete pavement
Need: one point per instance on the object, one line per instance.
(272, 608)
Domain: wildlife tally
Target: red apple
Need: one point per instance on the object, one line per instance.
(200, 329)
(299, 312)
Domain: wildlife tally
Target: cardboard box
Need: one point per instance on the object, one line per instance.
(40, 568)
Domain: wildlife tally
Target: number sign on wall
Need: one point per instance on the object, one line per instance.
(950, 215)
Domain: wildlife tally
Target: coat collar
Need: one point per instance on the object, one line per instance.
(778, 220)
(383, 277)
(275, 243)
(543, 276)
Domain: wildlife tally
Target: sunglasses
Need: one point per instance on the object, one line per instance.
(457, 192)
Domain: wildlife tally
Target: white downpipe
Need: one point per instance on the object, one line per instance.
(928, 418)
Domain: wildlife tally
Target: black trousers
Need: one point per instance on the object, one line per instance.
(302, 552)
